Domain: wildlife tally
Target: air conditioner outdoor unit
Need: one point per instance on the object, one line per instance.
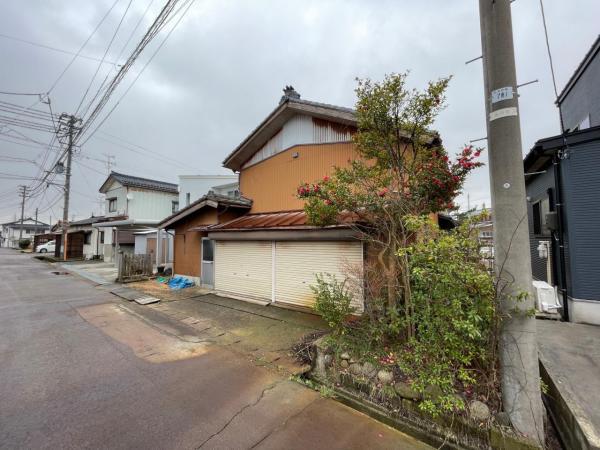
(546, 299)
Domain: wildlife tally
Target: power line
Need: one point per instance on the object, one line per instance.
(103, 84)
(48, 47)
(21, 93)
(82, 47)
(150, 34)
(104, 56)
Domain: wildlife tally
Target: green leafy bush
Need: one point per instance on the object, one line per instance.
(332, 302)
(454, 312)
(24, 243)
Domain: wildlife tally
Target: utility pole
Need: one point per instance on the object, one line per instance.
(23, 194)
(69, 122)
(520, 379)
(36, 215)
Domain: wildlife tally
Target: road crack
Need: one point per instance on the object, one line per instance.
(244, 408)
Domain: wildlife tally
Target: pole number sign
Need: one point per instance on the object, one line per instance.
(505, 93)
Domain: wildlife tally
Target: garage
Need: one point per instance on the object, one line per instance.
(244, 269)
(283, 271)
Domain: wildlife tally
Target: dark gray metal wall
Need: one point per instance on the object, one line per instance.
(583, 98)
(581, 189)
(536, 189)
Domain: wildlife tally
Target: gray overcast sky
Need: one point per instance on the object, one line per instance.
(222, 70)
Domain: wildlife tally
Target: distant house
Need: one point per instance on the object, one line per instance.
(192, 187)
(12, 230)
(133, 204)
(566, 168)
(84, 241)
(579, 101)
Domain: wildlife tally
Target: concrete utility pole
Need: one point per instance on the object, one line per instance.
(520, 377)
(23, 194)
(71, 121)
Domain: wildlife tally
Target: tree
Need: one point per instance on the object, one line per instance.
(403, 171)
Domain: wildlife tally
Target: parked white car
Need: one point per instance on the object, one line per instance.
(48, 247)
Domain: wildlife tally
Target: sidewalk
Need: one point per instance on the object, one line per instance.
(570, 366)
(96, 271)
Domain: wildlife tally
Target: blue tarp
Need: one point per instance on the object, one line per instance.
(179, 283)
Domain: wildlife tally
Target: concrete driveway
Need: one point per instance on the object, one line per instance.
(81, 369)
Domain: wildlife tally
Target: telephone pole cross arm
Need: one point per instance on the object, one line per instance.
(520, 379)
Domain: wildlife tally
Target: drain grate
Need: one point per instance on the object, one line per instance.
(56, 272)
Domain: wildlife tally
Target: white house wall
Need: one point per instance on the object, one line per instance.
(118, 191)
(150, 205)
(199, 185)
(300, 129)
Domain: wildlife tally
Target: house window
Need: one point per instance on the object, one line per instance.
(234, 194)
(28, 231)
(102, 237)
(87, 238)
(112, 205)
(540, 209)
(174, 206)
(187, 199)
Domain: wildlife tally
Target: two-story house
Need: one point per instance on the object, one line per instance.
(259, 247)
(562, 183)
(12, 231)
(133, 204)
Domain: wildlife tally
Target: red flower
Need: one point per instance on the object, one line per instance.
(328, 202)
(325, 178)
(382, 192)
(477, 153)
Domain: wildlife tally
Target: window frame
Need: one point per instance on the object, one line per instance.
(112, 204)
(174, 206)
(540, 208)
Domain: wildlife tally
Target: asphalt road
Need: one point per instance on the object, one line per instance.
(79, 371)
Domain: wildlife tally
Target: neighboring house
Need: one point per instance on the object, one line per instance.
(84, 241)
(193, 252)
(12, 230)
(579, 102)
(568, 166)
(272, 254)
(133, 204)
(192, 187)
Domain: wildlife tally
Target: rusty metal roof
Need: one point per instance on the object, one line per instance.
(288, 220)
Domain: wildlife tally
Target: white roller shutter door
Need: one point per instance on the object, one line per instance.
(297, 263)
(244, 269)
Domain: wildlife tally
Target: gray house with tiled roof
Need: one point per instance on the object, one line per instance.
(133, 204)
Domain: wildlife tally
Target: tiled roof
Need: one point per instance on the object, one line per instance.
(143, 183)
(240, 202)
(87, 221)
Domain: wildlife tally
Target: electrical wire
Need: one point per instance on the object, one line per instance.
(82, 47)
(48, 47)
(103, 57)
(150, 34)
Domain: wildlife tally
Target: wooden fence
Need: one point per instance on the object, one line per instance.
(134, 267)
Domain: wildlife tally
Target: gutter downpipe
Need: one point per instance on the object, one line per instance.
(561, 241)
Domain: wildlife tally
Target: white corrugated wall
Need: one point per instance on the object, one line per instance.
(297, 263)
(244, 269)
(300, 129)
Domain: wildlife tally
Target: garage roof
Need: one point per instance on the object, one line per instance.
(287, 220)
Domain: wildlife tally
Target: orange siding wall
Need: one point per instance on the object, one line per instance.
(272, 183)
(187, 246)
(187, 243)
